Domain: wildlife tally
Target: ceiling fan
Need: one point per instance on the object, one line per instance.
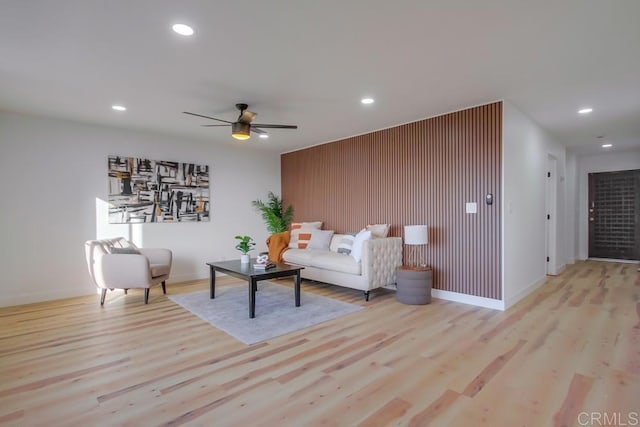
(241, 129)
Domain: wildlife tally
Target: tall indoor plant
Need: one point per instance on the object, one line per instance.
(274, 214)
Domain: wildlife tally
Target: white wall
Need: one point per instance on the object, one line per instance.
(525, 150)
(599, 163)
(52, 174)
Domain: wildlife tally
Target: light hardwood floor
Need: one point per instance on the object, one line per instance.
(565, 354)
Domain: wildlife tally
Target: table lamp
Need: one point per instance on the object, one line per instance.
(414, 236)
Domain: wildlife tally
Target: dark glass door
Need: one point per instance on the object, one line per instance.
(614, 206)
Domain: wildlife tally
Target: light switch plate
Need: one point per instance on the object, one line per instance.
(472, 207)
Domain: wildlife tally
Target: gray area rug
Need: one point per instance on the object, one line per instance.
(276, 313)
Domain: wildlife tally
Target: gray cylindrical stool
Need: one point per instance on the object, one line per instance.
(413, 285)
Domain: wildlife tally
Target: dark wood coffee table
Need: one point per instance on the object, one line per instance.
(253, 276)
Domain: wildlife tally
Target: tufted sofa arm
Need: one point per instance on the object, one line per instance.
(380, 259)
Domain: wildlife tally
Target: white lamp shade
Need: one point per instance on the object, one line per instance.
(416, 234)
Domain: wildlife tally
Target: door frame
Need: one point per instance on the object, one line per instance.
(551, 212)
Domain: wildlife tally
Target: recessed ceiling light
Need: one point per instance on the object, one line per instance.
(367, 100)
(182, 29)
(585, 110)
(264, 136)
(119, 107)
(607, 145)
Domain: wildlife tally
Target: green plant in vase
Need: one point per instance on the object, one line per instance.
(245, 245)
(275, 216)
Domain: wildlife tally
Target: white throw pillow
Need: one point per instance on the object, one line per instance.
(320, 239)
(335, 242)
(356, 251)
(379, 230)
(345, 244)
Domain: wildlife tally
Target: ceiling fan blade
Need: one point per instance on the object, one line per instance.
(247, 116)
(206, 117)
(256, 130)
(267, 126)
(209, 126)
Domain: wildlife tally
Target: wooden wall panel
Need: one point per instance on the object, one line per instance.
(418, 173)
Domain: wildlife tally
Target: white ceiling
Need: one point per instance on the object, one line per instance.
(309, 62)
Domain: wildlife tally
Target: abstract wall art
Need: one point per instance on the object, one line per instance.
(143, 190)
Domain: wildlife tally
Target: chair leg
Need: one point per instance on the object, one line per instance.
(164, 287)
(102, 296)
(146, 295)
(366, 295)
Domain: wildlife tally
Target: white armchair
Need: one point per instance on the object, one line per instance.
(118, 263)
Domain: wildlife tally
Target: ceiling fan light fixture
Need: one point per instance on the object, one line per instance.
(241, 131)
(182, 29)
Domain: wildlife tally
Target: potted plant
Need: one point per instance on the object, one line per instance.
(274, 214)
(244, 245)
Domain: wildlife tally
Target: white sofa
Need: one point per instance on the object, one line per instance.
(380, 258)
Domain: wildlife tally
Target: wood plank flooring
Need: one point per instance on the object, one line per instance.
(560, 357)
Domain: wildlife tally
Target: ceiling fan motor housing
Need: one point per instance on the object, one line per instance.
(240, 130)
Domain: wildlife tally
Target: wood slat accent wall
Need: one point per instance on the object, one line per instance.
(418, 173)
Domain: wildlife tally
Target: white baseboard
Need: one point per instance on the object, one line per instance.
(559, 270)
(494, 304)
(456, 297)
(48, 295)
(624, 261)
(185, 278)
(508, 302)
(55, 294)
